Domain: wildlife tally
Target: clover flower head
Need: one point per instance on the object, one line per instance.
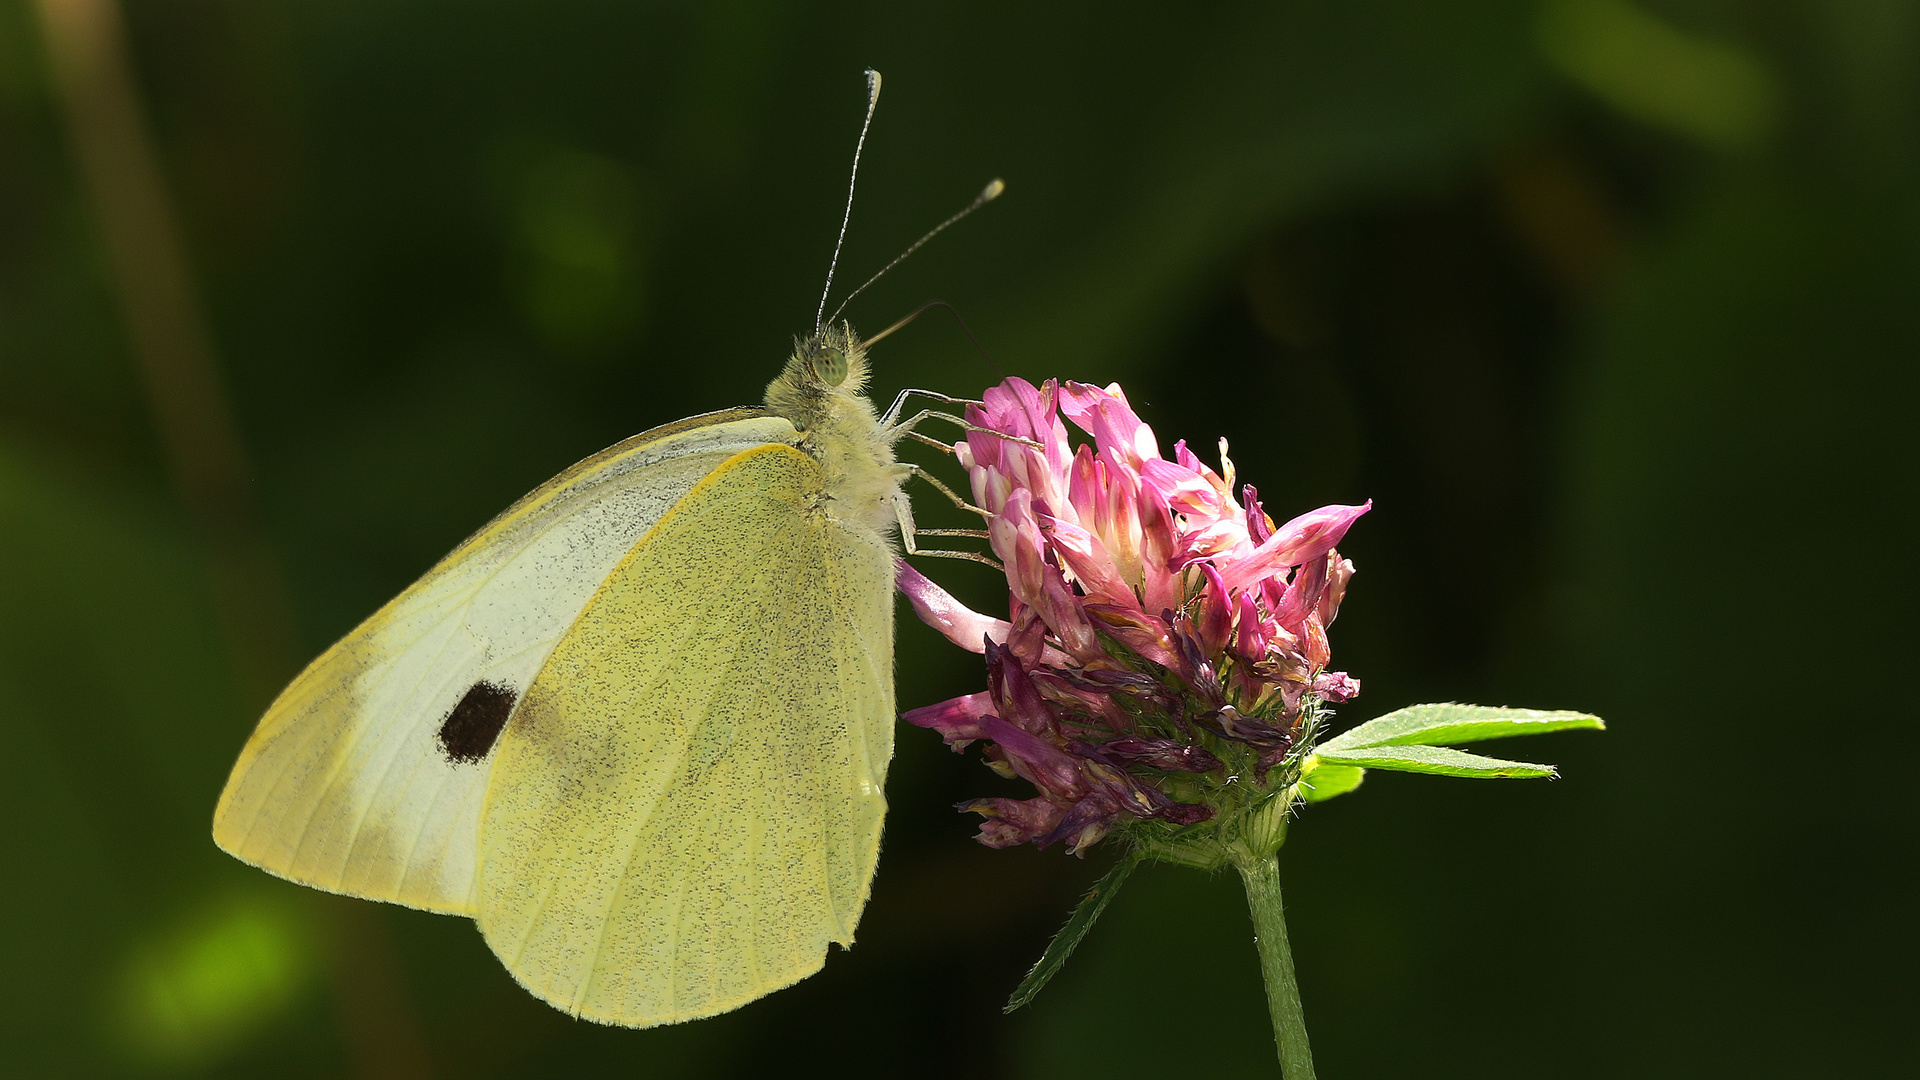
(1164, 662)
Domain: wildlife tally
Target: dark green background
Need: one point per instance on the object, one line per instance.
(1612, 310)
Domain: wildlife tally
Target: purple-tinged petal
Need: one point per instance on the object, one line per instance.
(1108, 680)
(1015, 698)
(1061, 609)
(1259, 526)
(1158, 753)
(1013, 821)
(1141, 799)
(1337, 686)
(1214, 623)
(1267, 760)
(956, 719)
(1196, 665)
(1230, 723)
(1080, 700)
(1147, 636)
(1035, 760)
(1083, 826)
(1180, 813)
(1250, 636)
(1028, 642)
(1133, 797)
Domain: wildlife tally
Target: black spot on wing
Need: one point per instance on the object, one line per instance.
(469, 731)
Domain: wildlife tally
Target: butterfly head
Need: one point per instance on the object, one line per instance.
(832, 357)
(827, 367)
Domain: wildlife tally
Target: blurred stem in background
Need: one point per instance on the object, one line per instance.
(205, 456)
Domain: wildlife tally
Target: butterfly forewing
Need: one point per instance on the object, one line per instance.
(685, 810)
(367, 774)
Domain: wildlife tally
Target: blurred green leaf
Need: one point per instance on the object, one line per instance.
(194, 990)
(1449, 724)
(1437, 760)
(1655, 72)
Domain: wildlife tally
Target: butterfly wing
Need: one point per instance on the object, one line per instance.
(366, 776)
(686, 808)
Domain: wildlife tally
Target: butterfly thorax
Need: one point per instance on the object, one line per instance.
(821, 392)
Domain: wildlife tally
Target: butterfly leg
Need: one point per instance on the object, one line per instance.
(900, 402)
(905, 427)
(930, 441)
(903, 513)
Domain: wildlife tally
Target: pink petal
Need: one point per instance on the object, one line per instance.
(1306, 537)
(1022, 545)
(1303, 593)
(1337, 578)
(1106, 494)
(1016, 407)
(1182, 490)
(937, 608)
(1188, 459)
(1106, 416)
(1084, 554)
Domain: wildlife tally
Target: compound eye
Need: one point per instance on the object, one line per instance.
(830, 364)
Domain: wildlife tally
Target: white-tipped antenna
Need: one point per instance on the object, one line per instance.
(987, 194)
(873, 99)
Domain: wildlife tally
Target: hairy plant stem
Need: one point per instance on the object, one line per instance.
(1261, 873)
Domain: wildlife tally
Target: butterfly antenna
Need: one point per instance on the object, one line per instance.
(987, 194)
(873, 99)
(951, 310)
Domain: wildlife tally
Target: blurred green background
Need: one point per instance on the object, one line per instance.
(1612, 308)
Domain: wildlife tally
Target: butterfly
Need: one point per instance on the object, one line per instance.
(638, 725)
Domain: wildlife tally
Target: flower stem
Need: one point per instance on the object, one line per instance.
(1262, 877)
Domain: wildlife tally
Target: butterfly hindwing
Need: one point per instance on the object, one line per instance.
(367, 774)
(685, 810)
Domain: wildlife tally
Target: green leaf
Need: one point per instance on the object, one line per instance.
(1068, 938)
(1448, 724)
(1328, 780)
(1433, 759)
